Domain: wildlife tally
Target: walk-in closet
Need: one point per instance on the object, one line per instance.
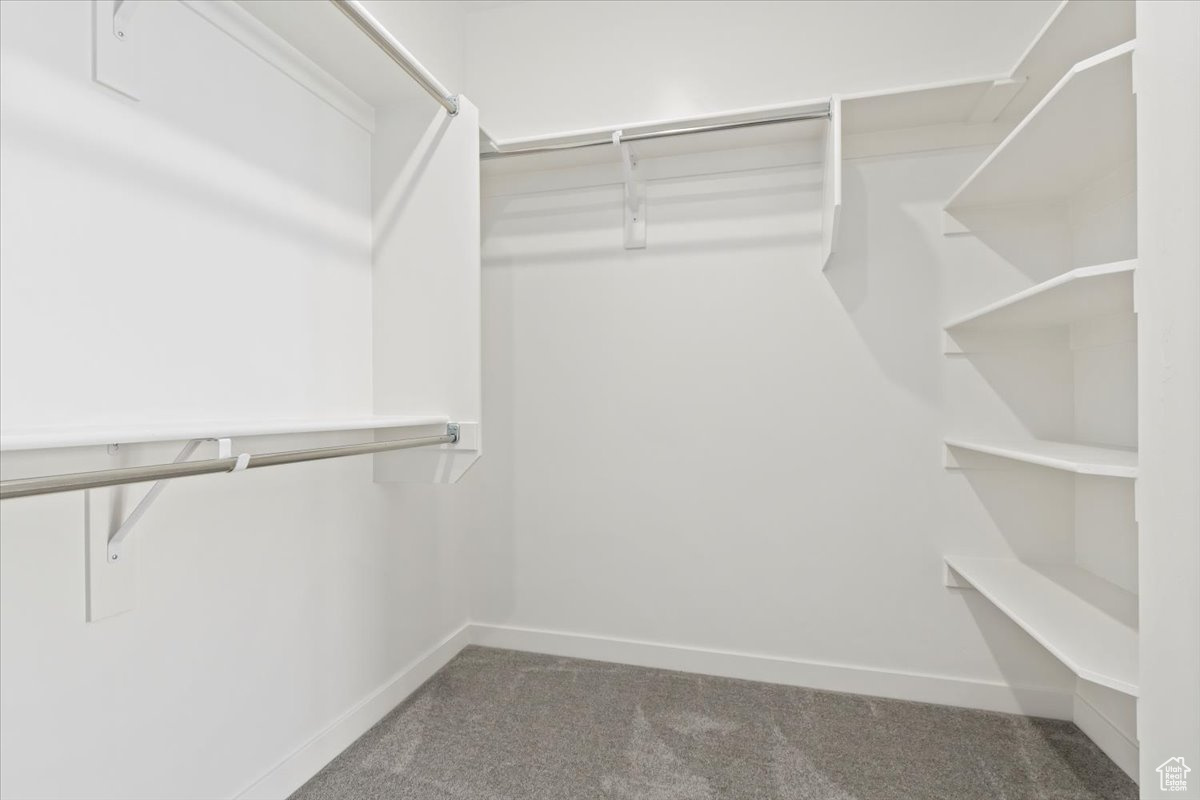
(630, 399)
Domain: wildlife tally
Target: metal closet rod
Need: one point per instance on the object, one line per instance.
(397, 52)
(51, 484)
(635, 136)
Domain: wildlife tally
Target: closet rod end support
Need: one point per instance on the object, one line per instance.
(452, 429)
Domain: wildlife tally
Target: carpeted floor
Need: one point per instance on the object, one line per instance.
(497, 724)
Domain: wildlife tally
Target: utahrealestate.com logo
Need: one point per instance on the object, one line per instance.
(1172, 775)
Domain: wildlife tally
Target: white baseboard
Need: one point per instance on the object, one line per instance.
(1107, 736)
(1031, 701)
(308, 759)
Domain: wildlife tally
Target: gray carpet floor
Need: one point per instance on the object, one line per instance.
(497, 724)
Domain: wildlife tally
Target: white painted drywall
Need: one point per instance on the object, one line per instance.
(204, 252)
(191, 237)
(1167, 80)
(711, 443)
(548, 67)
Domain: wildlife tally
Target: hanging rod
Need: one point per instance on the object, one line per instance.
(397, 52)
(50, 484)
(636, 136)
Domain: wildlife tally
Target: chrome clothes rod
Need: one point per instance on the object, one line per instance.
(397, 52)
(636, 136)
(51, 484)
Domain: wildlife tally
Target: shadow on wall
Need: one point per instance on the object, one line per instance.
(1023, 662)
(390, 204)
(230, 185)
(1030, 507)
(684, 215)
(485, 508)
(849, 264)
(555, 259)
(1033, 382)
(887, 263)
(600, 253)
(1036, 241)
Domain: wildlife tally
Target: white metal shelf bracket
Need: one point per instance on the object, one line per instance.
(635, 196)
(115, 542)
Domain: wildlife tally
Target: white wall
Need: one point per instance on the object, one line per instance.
(205, 252)
(1167, 80)
(549, 67)
(712, 444)
(662, 433)
(200, 187)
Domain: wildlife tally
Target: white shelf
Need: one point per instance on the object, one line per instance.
(1081, 131)
(1082, 459)
(1077, 30)
(1086, 622)
(84, 436)
(1075, 295)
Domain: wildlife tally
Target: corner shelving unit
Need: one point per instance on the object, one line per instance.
(1061, 186)
(1086, 622)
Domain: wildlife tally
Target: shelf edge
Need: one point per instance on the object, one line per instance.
(1012, 452)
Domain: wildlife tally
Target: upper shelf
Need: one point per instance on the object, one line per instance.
(1086, 622)
(84, 436)
(1078, 29)
(1081, 131)
(1072, 296)
(1082, 459)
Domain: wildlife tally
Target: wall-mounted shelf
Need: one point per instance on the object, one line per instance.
(1075, 295)
(1082, 459)
(1086, 622)
(1079, 133)
(1077, 29)
(91, 435)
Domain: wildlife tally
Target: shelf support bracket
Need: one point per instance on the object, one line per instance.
(115, 542)
(116, 62)
(634, 196)
(123, 11)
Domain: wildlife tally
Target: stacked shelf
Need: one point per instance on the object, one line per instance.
(1059, 162)
(1068, 298)
(1086, 622)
